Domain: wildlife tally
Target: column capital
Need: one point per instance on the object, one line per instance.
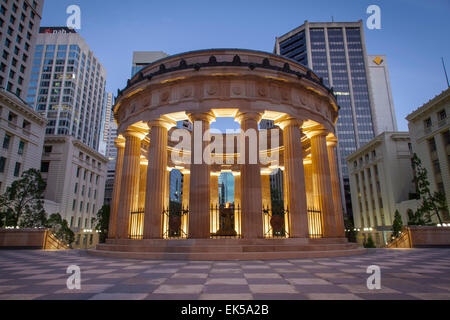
(119, 142)
(133, 132)
(162, 122)
(202, 116)
(315, 132)
(240, 116)
(332, 141)
(288, 121)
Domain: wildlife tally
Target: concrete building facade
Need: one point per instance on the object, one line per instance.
(75, 176)
(19, 27)
(22, 137)
(381, 182)
(67, 85)
(384, 111)
(429, 128)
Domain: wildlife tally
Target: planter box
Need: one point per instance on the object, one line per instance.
(29, 239)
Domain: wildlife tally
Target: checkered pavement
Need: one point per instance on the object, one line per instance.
(405, 274)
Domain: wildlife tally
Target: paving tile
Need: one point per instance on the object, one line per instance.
(272, 288)
(20, 296)
(226, 296)
(308, 281)
(231, 288)
(363, 289)
(431, 296)
(279, 296)
(119, 296)
(86, 288)
(172, 296)
(179, 289)
(190, 275)
(226, 281)
(332, 296)
(262, 275)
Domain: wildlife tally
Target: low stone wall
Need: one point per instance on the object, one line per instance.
(422, 236)
(29, 239)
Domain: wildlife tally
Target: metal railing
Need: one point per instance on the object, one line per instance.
(136, 225)
(175, 221)
(275, 223)
(315, 223)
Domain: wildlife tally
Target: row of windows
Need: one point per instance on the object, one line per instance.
(17, 167)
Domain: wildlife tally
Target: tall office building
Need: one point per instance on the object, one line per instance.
(384, 112)
(67, 85)
(19, 27)
(337, 53)
(110, 134)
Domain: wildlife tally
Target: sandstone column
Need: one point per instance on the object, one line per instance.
(309, 185)
(265, 189)
(199, 195)
(322, 181)
(214, 189)
(142, 184)
(186, 184)
(251, 197)
(156, 178)
(295, 192)
(237, 202)
(129, 184)
(120, 145)
(335, 186)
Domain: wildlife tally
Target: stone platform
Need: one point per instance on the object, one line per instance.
(227, 249)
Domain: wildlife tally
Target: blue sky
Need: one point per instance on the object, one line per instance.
(414, 34)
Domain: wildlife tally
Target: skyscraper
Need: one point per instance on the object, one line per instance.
(110, 134)
(19, 27)
(337, 53)
(384, 112)
(67, 85)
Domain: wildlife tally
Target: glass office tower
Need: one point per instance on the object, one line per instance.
(67, 85)
(336, 52)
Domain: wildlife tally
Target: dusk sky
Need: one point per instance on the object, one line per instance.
(414, 34)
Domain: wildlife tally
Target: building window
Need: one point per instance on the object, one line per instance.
(21, 147)
(2, 164)
(436, 167)
(6, 141)
(71, 220)
(17, 169)
(45, 166)
(427, 123)
(78, 172)
(446, 137)
(76, 188)
(48, 149)
(442, 115)
(432, 144)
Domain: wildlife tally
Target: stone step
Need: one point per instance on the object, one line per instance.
(217, 256)
(222, 248)
(225, 241)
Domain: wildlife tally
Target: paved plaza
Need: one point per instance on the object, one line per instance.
(405, 274)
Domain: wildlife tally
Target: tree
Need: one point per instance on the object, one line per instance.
(102, 222)
(397, 224)
(350, 232)
(22, 205)
(369, 243)
(431, 204)
(60, 228)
